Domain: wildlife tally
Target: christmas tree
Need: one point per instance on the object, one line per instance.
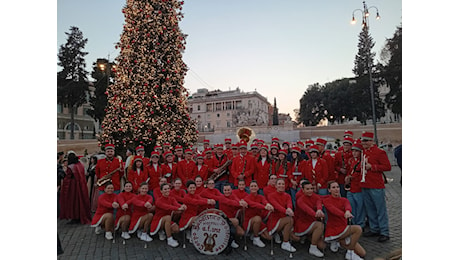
(147, 104)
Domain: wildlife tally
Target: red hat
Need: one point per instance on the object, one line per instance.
(189, 151)
(260, 141)
(199, 156)
(109, 146)
(206, 141)
(137, 158)
(320, 141)
(265, 147)
(155, 153)
(243, 144)
(367, 136)
(357, 147)
(348, 133)
(295, 149)
(282, 151)
(314, 148)
(275, 140)
(309, 142)
(274, 146)
(168, 153)
(219, 146)
(348, 140)
(286, 142)
(166, 145)
(228, 140)
(254, 146)
(157, 147)
(234, 146)
(299, 143)
(139, 148)
(208, 150)
(178, 147)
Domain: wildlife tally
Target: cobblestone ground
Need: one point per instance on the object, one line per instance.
(80, 241)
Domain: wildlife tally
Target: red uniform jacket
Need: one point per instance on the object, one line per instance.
(242, 164)
(169, 170)
(297, 171)
(186, 170)
(217, 162)
(124, 198)
(282, 169)
(256, 207)
(139, 210)
(379, 160)
(136, 178)
(281, 201)
(319, 173)
(105, 166)
(178, 195)
(331, 173)
(203, 171)
(210, 163)
(193, 203)
(104, 205)
(261, 173)
(305, 211)
(163, 206)
(335, 208)
(269, 189)
(241, 194)
(231, 206)
(340, 161)
(154, 175)
(354, 170)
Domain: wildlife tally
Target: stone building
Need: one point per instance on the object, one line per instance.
(218, 109)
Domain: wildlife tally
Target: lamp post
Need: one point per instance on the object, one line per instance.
(365, 23)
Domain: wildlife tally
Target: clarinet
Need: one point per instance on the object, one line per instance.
(244, 168)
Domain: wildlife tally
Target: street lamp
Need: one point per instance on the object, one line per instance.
(365, 23)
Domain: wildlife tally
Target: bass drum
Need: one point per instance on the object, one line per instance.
(210, 233)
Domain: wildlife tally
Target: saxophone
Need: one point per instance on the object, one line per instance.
(221, 170)
(108, 177)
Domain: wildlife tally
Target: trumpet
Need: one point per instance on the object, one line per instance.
(363, 167)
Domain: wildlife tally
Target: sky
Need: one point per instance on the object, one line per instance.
(277, 48)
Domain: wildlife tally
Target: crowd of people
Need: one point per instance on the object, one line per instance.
(288, 192)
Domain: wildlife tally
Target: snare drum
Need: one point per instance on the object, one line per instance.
(210, 232)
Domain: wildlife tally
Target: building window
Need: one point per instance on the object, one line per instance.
(239, 104)
(228, 114)
(218, 106)
(199, 108)
(208, 107)
(228, 105)
(59, 108)
(218, 115)
(229, 124)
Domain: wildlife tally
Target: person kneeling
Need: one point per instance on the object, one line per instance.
(103, 218)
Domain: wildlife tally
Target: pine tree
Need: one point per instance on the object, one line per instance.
(72, 83)
(147, 104)
(275, 114)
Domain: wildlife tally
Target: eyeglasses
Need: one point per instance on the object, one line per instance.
(210, 183)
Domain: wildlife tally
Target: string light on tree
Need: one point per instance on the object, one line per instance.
(147, 104)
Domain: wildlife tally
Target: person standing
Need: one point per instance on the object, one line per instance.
(154, 170)
(340, 163)
(74, 199)
(110, 165)
(137, 174)
(353, 179)
(243, 166)
(317, 171)
(187, 169)
(263, 168)
(324, 154)
(169, 168)
(219, 159)
(373, 188)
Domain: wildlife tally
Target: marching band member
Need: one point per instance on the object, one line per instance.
(199, 184)
(109, 165)
(263, 167)
(373, 188)
(282, 166)
(154, 170)
(178, 153)
(123, 217)
(231, 207)
(186, 169)
(257, 210)
(201, 168)
(103, 218)
(332, 174)
(254, 150)
(169, 168)
(242, 165)
(317, 171)
(281, 218)
(177, 192)
(219, 159)
(137, 173)
(274, 148)
(193, 202)
(307, 211)
(157, 191)
(208, 161)
(337, 229)
(241, 192)
(165, 206)
(142, 213)
(340, 163)
(271, 185)
(228, 147)
(353, 179)
(141, 152)
(297, 171)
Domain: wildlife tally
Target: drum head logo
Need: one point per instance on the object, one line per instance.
(210, 234)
